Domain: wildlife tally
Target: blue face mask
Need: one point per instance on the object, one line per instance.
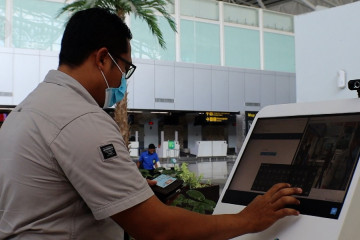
(114, 95)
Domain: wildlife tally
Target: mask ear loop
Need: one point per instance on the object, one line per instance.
(104, 78)
(116, 63)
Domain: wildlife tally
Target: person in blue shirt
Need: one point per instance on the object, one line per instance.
(149, 159)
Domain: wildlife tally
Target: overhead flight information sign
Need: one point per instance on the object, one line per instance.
(217, 117)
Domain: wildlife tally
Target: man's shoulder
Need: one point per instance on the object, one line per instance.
(144, 153)
(61, 109)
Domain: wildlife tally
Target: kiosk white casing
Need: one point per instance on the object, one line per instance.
(346, 227)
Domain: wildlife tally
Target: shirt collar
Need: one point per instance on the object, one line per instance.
(63, 79)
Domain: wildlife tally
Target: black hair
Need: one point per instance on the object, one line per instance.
(89, 30)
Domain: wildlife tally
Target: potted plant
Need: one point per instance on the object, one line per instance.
(196, 194)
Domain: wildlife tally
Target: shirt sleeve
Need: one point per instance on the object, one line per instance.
(92, 154)
(156, 157)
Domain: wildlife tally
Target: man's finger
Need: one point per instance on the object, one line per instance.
(285, 201)
(151, 182)
(285, 192)
(286, 212)
(276, 188)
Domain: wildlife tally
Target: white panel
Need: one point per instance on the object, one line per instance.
(4, 100)
(252, 86)
(203, 149)
(220, 90)
(144, 84)
(184, 90)
(202, 89)
(48, 61)
(130, 91)
(6, 77)
(282, 89)
(26, 73)
(292, 79)
(236, 91)
(326, 41)
(164, 86)
(268, 89)
(134, 149)
(6, 74)
(219, 148)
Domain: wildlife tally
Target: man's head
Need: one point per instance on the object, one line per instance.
(151, 148)
(90, 30)
(96, 51)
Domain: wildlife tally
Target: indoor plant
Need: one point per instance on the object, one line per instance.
(195, 195)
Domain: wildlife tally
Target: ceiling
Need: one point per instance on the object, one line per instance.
(294, 7)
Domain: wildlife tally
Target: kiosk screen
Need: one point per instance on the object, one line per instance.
(317, 153)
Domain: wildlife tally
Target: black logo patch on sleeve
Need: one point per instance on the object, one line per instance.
(108, 151)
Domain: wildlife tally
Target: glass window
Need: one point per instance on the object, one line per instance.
(145, 45)
(241, 15)
(170, 7)
(200, 42)
(242, 47)
(35, 24)
(279, 52)
(207, 9)
(2, 23)
(278, 21)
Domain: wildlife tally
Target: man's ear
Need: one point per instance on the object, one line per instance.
(100, 57)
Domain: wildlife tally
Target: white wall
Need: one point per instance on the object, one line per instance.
(198, 87)
(325, 42)
(159, 84)
(21, 70)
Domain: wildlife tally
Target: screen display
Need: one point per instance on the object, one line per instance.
(317, 153)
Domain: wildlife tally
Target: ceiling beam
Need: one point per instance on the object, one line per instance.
(330, 3)
(243, 2)
(308, 4)
(261, 4)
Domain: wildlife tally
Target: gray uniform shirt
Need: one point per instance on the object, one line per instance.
(64, 168)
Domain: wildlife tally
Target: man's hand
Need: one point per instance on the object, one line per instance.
(151, 182)
(266, 209)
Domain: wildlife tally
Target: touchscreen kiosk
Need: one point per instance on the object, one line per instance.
(314, 146)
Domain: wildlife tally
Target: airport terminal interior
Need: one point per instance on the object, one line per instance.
(227, 61)
(218, 70)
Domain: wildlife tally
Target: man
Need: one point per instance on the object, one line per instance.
(149, 159)
(65, 172)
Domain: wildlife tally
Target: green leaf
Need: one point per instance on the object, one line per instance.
(210, 202)
(199, 209)
(144, 9)
(196, 195)
(208, 207)
(179, 200)
(145, 173)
